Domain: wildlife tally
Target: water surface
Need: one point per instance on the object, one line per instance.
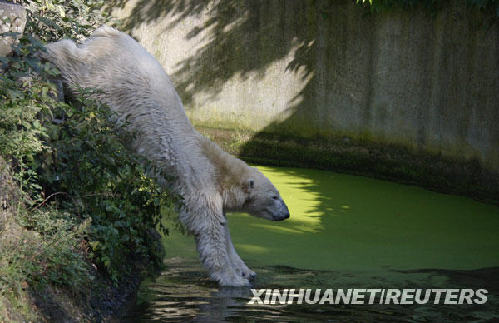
(344, 232)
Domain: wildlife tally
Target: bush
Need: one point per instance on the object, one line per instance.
(88, 171)
(84, 197)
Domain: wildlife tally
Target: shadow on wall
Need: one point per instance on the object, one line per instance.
(244, 36)
(402, 95)
(247, 37)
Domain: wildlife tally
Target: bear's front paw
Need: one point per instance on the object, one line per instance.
(241, 268)
(245, 272)
(231, 278)
(251, 274)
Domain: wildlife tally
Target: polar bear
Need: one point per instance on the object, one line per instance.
(211, 182)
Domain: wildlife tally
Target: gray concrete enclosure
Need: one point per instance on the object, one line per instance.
(424, 80)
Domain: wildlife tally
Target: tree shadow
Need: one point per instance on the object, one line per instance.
(240, 37)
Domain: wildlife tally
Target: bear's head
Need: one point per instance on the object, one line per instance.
(263, 199)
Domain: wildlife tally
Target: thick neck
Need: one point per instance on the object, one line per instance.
(230, 173)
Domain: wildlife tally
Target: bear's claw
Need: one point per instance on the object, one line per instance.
(245, 271)
(231, 279)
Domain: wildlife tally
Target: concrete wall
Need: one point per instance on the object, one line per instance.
(327, 68)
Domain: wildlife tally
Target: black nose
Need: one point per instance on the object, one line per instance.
(282, 217)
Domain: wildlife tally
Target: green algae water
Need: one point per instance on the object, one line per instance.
(344, 232)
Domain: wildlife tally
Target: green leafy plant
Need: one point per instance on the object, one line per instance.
(90, 173)
(85, 199)
(51, 20)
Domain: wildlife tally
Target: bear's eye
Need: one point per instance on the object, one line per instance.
(275, 197)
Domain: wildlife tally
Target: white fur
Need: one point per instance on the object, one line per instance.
(211, 181)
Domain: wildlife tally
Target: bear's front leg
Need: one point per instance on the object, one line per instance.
(237, 262)
(211, 246)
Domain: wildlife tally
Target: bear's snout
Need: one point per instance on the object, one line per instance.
(283, 215)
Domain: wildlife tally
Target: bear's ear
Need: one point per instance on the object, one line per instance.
(251, 183)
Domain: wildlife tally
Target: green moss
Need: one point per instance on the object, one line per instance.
(358, 223)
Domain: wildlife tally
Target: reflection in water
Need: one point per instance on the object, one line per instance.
(344, 232)
(183, 294)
